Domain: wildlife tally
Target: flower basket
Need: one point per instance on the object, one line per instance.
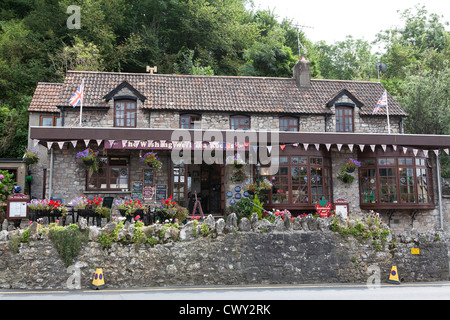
(152, 160)
(238, 176)
(129, 208)
(235, 161)
(89, 158)
(31, 156)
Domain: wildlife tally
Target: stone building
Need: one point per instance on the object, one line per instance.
(309, 129)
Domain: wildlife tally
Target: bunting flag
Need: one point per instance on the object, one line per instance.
(425, 152)
(350, 146)
(372, 146)
(49, 145)
(255, 149)
(405, 150)
(328, 145)
(86, 142)
(269, 148)
(306, 145)
(361, 147)
(394, 146)
(415, 152)
(295, 145)
(384, 147)
(436, 152)
(111, 142)
(317, 145)
(339, 146)
(99, 142)
(282, 146)
(35, 142)
(446, 151)
(74, 143)
(61, 144)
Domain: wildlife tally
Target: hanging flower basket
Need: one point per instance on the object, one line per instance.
(352, 165)
(238, 176)
(235, 161)
(89, 158)
(31, 156)
(152, 160)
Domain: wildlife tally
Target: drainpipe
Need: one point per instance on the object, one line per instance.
(50, 183)
(438, 172)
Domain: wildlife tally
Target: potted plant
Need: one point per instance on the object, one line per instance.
(89, 158)
(168, 209)
(31, 156)
(152, 160)
(251, 188)
(265, 186)
(344, 176)
(238, 176)
(129, 207)
(352, 165)
(235, 161)
(46, 208)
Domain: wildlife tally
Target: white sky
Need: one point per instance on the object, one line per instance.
(333, 20)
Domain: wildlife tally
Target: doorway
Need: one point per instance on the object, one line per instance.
(202, 179)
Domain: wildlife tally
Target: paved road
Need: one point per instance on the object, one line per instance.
(404, 291)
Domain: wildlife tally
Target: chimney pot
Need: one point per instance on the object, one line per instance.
(302, 74)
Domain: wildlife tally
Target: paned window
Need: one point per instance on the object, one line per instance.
(125, 113)
(190, 121)
(288, 124)
(112, 174)
(239, 122)
(344, 119)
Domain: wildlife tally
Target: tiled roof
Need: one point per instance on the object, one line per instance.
(45, 97)
(225, 93)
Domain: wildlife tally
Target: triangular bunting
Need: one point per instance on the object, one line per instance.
(269, 148)
(350, 146)
(86, 142)
(49, 145)
(372, 146)
(339, 146)
(74, 143)
(61, 144)
(111, 143)
(317, 145)
(295, 145)
(255, 148)
(384, 147)
(404, 150)
(415, 152)
(394, 146)
(282, 146)
(436, 152)
(306, 145)
(328, 145)
(446, 151)
(35, 142)
(99, 142)
(425, 152)
(361, 147)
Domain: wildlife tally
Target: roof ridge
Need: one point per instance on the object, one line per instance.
(339, 80)
(180, 75)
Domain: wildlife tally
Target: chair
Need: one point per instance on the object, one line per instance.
(108, 202)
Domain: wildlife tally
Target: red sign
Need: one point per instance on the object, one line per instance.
(323, 208)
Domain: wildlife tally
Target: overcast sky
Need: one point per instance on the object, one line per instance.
(332, 20)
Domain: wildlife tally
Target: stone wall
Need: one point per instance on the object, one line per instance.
(258, 252)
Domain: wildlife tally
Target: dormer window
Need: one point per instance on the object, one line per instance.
(125, 113)
(344, 119)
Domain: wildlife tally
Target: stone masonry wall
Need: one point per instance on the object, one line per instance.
(234, 258)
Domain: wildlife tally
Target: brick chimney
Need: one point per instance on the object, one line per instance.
(302, 73)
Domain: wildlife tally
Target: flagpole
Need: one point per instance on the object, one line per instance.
(387, 112)
(81, 105)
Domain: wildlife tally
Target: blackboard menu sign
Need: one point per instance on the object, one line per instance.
(148, 177)
(161, 192)
(137, 190)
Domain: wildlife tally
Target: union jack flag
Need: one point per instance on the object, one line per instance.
(381, 103)
(77, 97)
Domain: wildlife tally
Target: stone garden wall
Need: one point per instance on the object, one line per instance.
(253, 252)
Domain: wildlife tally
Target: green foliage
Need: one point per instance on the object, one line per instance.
(68, 241)
(242, 208)
(6, 185)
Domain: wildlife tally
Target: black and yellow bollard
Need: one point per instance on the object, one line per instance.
(98, 281)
